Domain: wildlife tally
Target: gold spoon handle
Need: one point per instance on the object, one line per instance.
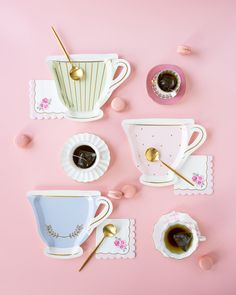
(177, 173)
(91, 254)
(62, 46)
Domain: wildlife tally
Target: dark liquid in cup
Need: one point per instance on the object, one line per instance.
(178, 238)
(84, 156)
(167, 81)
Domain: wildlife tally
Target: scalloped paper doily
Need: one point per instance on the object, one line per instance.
(44, 101)
(122, 246)
(198, 169)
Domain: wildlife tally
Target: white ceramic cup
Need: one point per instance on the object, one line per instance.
(169, 220)
(162, 93)
(84, 98)
(170, 137)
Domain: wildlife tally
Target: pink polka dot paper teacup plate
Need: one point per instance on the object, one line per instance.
(166, 84)
(170, 137)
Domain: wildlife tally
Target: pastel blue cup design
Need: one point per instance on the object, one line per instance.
(66, 219)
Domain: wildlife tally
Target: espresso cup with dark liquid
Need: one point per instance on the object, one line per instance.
(178, 238)
(166, 83)
(176, 235)
(84, 156)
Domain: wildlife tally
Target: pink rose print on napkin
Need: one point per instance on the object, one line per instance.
(198, 180)
(44, 104)
(121, 244)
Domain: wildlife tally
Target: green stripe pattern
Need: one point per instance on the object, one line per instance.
(82, 95)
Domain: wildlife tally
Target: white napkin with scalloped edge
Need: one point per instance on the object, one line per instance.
(122, 245)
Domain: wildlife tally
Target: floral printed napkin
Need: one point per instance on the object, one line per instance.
(44, 101)
(198, 169)
(120, 246)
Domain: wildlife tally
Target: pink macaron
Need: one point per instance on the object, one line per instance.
(129, 191)
(205, 262)
(23, 140)
(115, 194)
(118, 104)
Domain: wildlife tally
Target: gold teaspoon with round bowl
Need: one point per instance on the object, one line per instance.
(75, 72)
(109, 231)
(153, 155)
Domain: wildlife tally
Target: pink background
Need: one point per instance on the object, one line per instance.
(145, 33)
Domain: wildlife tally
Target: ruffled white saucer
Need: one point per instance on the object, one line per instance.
(97, 169)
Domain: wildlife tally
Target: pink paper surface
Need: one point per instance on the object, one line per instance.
(145, 33)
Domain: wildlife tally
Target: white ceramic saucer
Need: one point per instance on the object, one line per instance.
(97, 169)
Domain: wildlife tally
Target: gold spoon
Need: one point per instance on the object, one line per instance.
(152, 155)
(75, 72)
(109, 230)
